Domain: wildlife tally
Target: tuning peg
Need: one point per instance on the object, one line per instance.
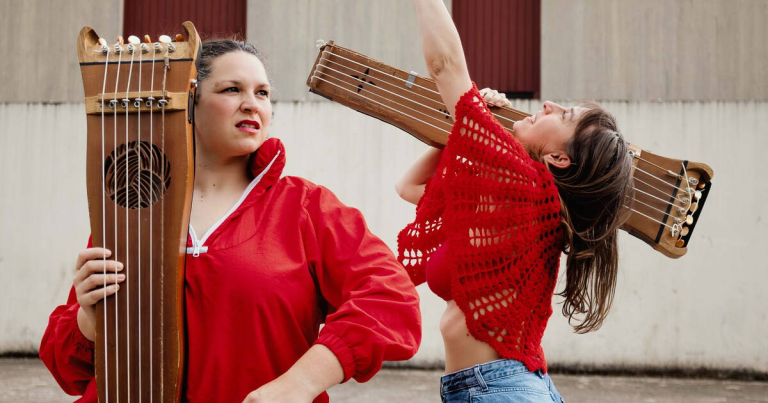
(179, 38)
(685, 231)
(134, 40)
(694, 207)
(697, 195)
(147, 39)
(689, 220)
(165, 39)
(120, 40)
(702, 185)
(680, 243)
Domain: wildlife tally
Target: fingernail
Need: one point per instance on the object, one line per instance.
(120, 277)
(119, 266)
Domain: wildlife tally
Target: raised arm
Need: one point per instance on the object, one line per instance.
(411, 185)
(442, 51)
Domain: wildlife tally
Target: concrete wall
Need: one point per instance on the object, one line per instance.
(286, 32)
(651, 49)
(38, 41)
(703, 310)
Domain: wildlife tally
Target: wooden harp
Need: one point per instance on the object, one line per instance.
(669, 193)
(139, 174)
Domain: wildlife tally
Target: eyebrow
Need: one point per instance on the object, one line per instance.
(237, 82)
(571, 111)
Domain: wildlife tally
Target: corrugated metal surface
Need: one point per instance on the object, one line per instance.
(211, 17)
(501, 39)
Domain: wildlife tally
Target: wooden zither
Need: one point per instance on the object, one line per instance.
(139, 179)
(669, 194)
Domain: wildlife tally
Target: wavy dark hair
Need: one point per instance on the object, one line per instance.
(594, 193)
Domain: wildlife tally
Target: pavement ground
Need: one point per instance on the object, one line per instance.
(26, 380)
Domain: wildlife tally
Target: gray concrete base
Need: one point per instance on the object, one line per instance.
(28, 381)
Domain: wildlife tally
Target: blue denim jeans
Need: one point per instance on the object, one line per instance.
(498, 381)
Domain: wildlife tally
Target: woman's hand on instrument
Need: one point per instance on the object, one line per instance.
(90, 283)
(494, 98)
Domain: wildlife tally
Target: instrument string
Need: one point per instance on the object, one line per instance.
(128, 268)
(442, 121)
(114, 184)
(437, 100)
(383, 80)
(651, 187)
(685, 189)
(104, 223)
(150, 105)
(166, 66)
(138, 211)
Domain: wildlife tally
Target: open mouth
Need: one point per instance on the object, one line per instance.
(249, 125)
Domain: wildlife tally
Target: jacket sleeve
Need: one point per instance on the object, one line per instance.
(374, 308)
(65, 350)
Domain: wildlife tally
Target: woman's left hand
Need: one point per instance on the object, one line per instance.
(279, 391)
(494, 98)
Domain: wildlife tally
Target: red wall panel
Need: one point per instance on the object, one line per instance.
(501, 40)
(211, 17)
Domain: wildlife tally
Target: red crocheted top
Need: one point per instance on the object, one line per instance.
(499, 211)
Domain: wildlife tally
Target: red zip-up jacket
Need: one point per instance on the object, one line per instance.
(251, 303)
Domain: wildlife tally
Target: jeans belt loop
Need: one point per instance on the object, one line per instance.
(480, 379)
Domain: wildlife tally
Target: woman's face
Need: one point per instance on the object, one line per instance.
(549, 131)
(233, 110)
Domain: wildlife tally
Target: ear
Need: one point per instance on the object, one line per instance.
(558, 159)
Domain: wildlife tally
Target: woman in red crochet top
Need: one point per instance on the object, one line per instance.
(494, 213)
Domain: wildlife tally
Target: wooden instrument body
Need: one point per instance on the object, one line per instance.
(413, 104)
(139, 175)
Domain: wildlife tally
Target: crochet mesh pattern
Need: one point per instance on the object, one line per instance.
(499, 211)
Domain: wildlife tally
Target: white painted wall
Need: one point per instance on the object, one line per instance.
(706, 309)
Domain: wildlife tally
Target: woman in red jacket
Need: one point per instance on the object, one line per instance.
(494, 213)
(256, 240)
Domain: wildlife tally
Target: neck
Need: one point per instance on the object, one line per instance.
(221, 175)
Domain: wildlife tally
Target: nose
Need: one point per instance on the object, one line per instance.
(551, 107)
(249, 104)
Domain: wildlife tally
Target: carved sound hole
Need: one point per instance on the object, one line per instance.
(137, 175)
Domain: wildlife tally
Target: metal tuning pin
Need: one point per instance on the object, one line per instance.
(137, 102)
(103, 47)
(125, 102)
(119, 45)
(133, 41)
(150, 100)
(166, 40)
(693, 181)
(146, 44)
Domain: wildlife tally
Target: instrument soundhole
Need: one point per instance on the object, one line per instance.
(137, 175)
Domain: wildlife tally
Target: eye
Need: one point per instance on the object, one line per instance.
(563, 116)
(263, 93)
(231, 89)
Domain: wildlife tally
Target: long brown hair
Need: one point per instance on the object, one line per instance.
(593, 192)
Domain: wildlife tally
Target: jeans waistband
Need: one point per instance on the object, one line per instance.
(479, 374)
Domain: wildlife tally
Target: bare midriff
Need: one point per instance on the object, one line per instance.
(462, 350)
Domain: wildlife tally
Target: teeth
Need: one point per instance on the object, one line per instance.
(248, 125)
